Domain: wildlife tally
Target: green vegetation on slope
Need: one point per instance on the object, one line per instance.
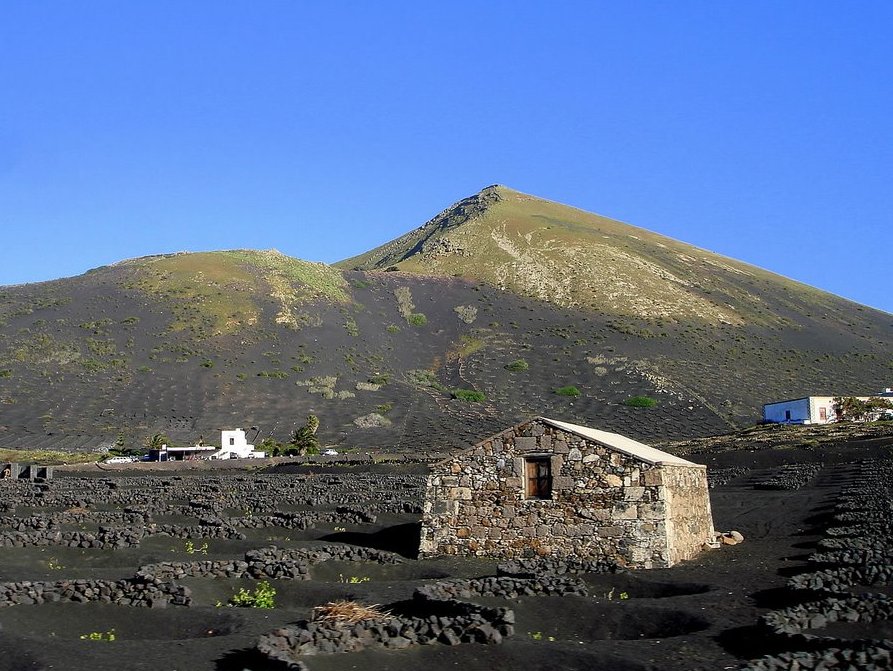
(213, 293)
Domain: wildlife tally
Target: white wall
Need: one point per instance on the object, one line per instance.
(234, 441)
(787, 411)
(811, 410)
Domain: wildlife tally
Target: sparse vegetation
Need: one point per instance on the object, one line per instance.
(468, 345)
(517, 366)
(424, 378)
(468, 395)
(48, 457)
(373, 420)
(640, 402)
(466, 313)
(405, 307)
(273, 374)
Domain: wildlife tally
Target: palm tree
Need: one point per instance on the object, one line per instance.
(155, 442)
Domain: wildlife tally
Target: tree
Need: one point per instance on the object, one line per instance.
(304, 439)
(850, 408)
(156, 441)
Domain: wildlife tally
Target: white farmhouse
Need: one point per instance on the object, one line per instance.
(810, 409)
(233, 445)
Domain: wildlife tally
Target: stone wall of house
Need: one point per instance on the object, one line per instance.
(605, 505)
(689, 518)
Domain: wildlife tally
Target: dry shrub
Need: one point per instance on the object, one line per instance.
(350, 612)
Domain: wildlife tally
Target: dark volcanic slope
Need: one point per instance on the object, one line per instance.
(188, 344)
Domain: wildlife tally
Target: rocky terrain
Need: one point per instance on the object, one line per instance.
(314, 567)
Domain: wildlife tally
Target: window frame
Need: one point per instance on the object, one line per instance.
(540, 485)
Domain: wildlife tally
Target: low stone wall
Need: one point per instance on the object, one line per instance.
(303, 520)
(531, 568)
(207, 530)
(504, 587)
(858, 657)
(789, 476)
(266, 563)
(838, 580)
(801, 623)
(420, 622)
(105, 538)
(130, 592)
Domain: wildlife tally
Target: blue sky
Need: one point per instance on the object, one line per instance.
(759, 130)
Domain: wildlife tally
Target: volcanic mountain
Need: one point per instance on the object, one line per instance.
(502, 307)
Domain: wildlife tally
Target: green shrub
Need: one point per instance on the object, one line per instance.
(569, 390)
(380, 380)
(6, 372)
(640, 402)
(275, 374)
(517, 365)
(263, 596)
(384, 408)
(417, 319)
(393, 328)
(468, 395)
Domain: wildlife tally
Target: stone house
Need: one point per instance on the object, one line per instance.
(549, 488)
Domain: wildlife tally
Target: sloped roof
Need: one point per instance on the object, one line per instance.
(615, 441)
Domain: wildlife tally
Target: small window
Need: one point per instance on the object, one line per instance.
(232, 441)
(539, 478)
(823, 414)
(787, 415)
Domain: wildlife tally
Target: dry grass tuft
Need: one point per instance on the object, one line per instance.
(350, 612)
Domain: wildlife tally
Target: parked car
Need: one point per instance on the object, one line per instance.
(330, 453)
(119, 460)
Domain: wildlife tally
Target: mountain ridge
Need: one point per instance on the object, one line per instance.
(555, 252)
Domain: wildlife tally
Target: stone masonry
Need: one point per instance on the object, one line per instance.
(611, 499)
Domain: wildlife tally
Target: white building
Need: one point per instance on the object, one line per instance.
(809, 410)
(233, 445)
